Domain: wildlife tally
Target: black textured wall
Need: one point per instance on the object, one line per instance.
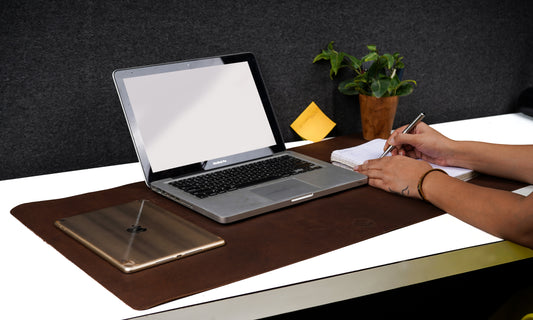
(59, 110)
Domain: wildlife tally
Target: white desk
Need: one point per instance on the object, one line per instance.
(38, 282)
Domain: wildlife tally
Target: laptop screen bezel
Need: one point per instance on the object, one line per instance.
(150, 176)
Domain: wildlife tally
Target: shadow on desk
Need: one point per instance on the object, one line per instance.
(500, 292)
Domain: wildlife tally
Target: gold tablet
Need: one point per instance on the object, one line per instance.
(138, 235)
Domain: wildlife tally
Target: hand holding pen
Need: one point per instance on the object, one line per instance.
(425, 143)
(408, 129)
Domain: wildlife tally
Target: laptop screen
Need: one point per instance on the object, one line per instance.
(192, 112)
(209, 112)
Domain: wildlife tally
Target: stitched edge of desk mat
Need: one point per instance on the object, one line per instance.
(253, 246)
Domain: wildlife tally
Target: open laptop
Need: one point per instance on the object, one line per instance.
(198, 119)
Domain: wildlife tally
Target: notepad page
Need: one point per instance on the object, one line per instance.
(355, 156)
(350, 157)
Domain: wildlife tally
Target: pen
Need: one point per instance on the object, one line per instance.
(406, 130)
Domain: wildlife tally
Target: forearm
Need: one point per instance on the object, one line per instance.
(509, 161)
(501, 213)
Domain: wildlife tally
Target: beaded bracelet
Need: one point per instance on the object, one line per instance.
(421, 181)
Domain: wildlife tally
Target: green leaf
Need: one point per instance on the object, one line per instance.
(354, 62)
(370, 57)
(390, 60)
(336, 63)
(372, 48)
(380, 87)
(326, 54)
(347, 87)
(322, 56)
(358, 84)
(405, 87)
(335, 58)
(404, 90)
(375, 70)
(394, 83)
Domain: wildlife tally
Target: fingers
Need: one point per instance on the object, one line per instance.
(369, 165)
(362, 168)
(374, 174)
(391, 140)
(373, 169)
(394, 174)
(398, 138)
(406, 139)
(405, 143)
(377, 183)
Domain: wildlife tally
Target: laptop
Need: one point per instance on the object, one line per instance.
(137, 235)
(195, 123)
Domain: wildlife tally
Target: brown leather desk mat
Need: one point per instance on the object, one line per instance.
(253, 246)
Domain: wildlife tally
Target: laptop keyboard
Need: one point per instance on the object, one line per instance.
(221, 181)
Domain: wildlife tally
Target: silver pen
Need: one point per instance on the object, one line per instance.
(406, 130)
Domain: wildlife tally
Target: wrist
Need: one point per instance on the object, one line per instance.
(455, 151)
(423, 179)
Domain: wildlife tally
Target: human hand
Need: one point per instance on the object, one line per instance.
(397, 174)
(423, 143)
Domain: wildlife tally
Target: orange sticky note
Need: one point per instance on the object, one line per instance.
(312, 124)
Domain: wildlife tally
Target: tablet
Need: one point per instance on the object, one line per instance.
(138, 235)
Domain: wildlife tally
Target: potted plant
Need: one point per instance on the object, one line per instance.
(378, 83)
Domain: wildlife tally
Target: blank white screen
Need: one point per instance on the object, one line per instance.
(194, 115)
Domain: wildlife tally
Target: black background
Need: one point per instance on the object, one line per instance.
(59, 110)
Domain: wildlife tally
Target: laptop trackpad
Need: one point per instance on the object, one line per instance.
(284, 189)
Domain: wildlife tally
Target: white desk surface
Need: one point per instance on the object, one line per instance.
(38, 282)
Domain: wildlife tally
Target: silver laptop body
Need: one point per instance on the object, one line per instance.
(201, 116)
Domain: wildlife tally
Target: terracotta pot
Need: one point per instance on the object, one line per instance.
(377, 116)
